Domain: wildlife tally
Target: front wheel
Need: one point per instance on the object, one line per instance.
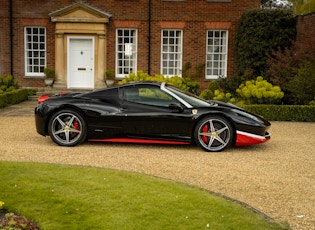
(214, 133)
(67, 128)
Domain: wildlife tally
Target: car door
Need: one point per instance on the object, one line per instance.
(147, 111)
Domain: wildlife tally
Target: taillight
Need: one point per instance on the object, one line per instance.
(43, 98)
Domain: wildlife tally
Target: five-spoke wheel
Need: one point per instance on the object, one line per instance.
(67, 128)
(214, 133)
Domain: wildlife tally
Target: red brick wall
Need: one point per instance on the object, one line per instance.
(4, 39)
(193, 16)
(306, 29)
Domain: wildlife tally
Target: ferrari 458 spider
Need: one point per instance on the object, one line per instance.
(147, 112)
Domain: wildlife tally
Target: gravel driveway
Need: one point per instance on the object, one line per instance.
(277, 178)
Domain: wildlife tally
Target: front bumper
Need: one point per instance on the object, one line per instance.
(244, 138)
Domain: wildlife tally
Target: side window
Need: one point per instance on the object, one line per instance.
(148, 95)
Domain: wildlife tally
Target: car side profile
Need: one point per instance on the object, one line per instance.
(147, 112)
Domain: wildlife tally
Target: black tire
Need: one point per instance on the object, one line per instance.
(67, 128)
(214, 133)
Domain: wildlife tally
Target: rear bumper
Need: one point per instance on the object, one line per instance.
(40, 123)
(244, 138)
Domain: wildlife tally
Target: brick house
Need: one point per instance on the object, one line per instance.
(81, 40)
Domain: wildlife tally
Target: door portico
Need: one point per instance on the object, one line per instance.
(80, 25)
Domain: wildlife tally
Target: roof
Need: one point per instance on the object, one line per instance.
(78, 5)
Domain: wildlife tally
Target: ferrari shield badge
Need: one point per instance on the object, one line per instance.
(194, 111)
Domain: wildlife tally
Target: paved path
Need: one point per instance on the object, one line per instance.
(25, 108)
(277, 178)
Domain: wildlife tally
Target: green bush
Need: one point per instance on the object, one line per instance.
(258, 33)
(13, 97)
(302, 113)
(259, 91)
(302, 86)
(8, 83)
(182, 83)
(293, 69)
(208, 94)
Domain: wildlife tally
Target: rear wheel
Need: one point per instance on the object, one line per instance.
(67, 128)
(214, 133)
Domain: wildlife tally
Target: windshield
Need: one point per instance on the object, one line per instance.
(188, 97)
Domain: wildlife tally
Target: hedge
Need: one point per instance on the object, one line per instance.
(284, 112)
(13, 97)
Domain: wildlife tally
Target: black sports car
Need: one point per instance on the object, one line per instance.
(147, 112)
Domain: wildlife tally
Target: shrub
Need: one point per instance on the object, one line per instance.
(303, 113)
(182, 83)
(13, 97)
(49, 73)
(293, 69)
(259, 91)
(258, 33)
(302, 86)
(226, 97)
(7, 84)
(208, 94)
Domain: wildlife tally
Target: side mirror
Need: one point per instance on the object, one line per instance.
(176, 106)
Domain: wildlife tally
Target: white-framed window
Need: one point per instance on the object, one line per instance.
(171, 52)
(126, 52)
(216, 54)
(35, 50)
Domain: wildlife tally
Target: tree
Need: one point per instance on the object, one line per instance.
(271, 4)
(258, 33)
(303, 6)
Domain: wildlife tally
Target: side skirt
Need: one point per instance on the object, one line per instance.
(140, 141)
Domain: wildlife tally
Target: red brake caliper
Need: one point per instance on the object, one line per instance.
(76, 127)
(205, 129)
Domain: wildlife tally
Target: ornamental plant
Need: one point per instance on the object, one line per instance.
(1, 204)
(226, 97)
(186, 83)
(8, 84)
(259, 91)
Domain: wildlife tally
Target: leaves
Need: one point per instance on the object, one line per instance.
(258, 33)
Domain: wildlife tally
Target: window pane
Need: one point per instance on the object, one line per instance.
(35, 47)
(171, 55)
(126, 52)
(216, 56)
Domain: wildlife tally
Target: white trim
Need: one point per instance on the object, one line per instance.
(250, 135)
(189, 106)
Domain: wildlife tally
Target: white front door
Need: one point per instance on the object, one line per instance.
(81, 62)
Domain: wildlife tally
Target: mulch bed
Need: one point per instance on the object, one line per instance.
(18, 222)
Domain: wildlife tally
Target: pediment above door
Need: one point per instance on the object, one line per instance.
(80, 12)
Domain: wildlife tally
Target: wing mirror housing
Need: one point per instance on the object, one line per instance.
(176, 107)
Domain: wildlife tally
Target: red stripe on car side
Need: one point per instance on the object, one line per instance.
(141, 141)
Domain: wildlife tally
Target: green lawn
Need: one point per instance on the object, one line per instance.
(75, 197)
